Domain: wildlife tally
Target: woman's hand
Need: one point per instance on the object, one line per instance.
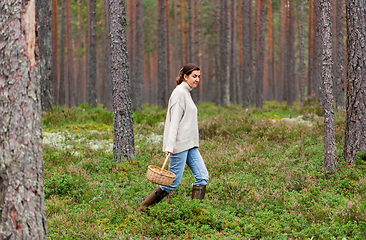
(167, 154)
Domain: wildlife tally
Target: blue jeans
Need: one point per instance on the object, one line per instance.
(195, 162)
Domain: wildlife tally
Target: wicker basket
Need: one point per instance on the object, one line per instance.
(160, 175)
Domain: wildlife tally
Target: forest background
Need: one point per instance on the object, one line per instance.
(198, 31)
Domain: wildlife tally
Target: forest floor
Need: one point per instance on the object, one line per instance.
(266, 177)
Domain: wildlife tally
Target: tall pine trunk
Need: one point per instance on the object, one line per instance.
(330, 150)
(71, 66)
(107, 81)
(355, 131)
(225, 52)
(123, 144)
(260, 56)
(43, 8)
(218, 73)
(302, 47)
(92, 61)
(339, 59)
(139, 76)
(162, 55)
(78, 97)
(183, 29)
(22, 200)
(61, 94)
(271, 86)
(54, 51)
(247, 53)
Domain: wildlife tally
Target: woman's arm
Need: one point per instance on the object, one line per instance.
(176, 114)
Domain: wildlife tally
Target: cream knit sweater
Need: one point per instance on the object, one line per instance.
(181, 127)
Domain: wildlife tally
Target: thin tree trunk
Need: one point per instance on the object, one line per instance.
(260, 56)
(43, 8)
(54, 51)
(131, 53)
(22, 200)
(92, 84)
(302, 62)
(233, 51)
(139, 76)
(310, 50)
(355, 131)
(123, 144)
(247, 53)
(318, 42)
(271, 86)
(291, 78)
(175, 63)
(195, 47)
(162, 57)
(225, 52)
(78, 97)
(71, 72)
(339, 59)
(183, 28)
(218, 73)
(168, 83)
(330, 150)
(61, 94)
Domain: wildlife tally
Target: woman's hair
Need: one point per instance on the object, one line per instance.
(186, 70)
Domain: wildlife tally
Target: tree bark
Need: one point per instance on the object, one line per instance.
(79, 95)
(260, 56)
(218, 73)
(339, 59)
(139, 76)
(225, 52)
(61, 94)
(355, 131)
(123, 145)
(162, 54)
(107, 82)
(247, 53)
(271, 86)
(92, 83)
(22, 200)
(54, 51)
(302, 62)
(183, 28)
(291, 78)
(330, 150)
(71, 66)
(233, 54)
(319, 51)
(43, 8)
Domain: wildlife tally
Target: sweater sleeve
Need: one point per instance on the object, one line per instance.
(176, 113)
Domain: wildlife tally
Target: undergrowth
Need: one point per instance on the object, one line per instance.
(266, 177)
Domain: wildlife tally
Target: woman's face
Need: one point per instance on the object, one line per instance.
(193, 79)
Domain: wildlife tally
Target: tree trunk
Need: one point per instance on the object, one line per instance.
(291, 78)
(302, 62)
(271, 86)
(107, 82)
(92, 91)
(139, 76)
(123, 145)
(339, 59)
(190, 31)
(175, 63)
(169, 82)
(330, 150)
(131, 53)
(319, 51)
(218, 73)
(71, 72)
(22, 200)
(78, 97)
(162, 54)
(195, 92)
(247, 53)
(311, 88)
(225, 52)
(355, 131)
(54, 51)
(61, 94)
(233, 51)
(260, 56)
(183, 28)
(43, 8)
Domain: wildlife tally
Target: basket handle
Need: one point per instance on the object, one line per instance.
(166, 159)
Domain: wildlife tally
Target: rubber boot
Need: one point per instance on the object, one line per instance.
(154, 197)
(198, 192)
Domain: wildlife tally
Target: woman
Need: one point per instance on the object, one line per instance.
(181, 138)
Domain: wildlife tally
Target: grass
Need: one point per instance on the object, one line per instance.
(266, 177)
